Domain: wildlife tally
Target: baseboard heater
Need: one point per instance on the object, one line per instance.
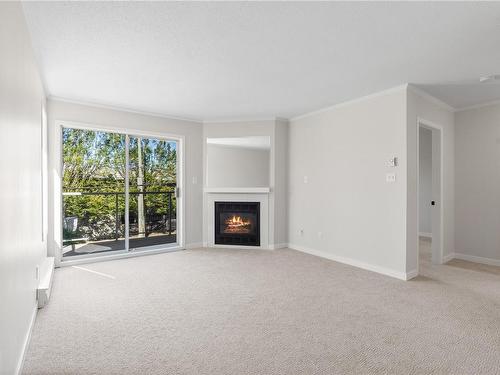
(46, 274)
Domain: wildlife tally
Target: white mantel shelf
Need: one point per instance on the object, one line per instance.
(237, 190)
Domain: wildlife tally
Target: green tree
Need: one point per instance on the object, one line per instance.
(95, 162)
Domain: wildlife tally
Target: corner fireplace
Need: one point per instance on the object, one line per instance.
(237, 223)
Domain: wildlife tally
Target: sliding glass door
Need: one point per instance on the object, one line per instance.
(107, 175)
(152, 188)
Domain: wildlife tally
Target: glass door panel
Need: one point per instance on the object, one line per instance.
(152, 192)
(93, 192)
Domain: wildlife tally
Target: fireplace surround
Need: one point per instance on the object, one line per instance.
(237, 223)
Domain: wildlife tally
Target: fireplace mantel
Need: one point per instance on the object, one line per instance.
(237, 190)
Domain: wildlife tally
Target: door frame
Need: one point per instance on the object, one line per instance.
(57, 192)
(438, 248)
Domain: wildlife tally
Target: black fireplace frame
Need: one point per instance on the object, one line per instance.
(236, 239)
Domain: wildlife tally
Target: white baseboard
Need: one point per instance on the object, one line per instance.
(194, 245)
(27, 338)
(278, 246)
(448, 257)
(353, 262)
(410, 275)
(476, 259)
(425, 234)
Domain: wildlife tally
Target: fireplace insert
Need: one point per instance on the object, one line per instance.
(237, 223)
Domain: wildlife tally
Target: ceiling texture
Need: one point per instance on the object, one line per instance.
(224, 60)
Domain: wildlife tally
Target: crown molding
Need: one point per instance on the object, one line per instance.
(244, 119)
(123, 109)
(410, 87)
(425, 95)
(351, 102)
(479, 106)
(155, 114)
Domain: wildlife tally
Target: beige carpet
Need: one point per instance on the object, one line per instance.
(264, 312)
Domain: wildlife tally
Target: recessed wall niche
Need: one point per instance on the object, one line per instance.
(238, 161)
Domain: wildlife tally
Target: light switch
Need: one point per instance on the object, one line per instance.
(393, 162)
(390, 177)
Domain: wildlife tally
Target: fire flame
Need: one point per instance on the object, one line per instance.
(237, 224)
(237, 220)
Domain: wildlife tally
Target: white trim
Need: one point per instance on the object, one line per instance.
(476, 259)
(425, 95)
(416, 90)
(448, 257)
(243, 119)
(411, 87)
(433, 126)
(354, 262)
(412, 274)
(127, 192)
(350, 102)
(277, 246)
(27, 340)
(117, 130)
(478, 106)
(122, 255)
(181, 186)
(194, 245)
(237, 190)
(127, 132)
(425, 234)
(123, 109)
(239, 146)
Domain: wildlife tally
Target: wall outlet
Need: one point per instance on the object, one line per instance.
(301, 232)
(390, 177)
(306, 180)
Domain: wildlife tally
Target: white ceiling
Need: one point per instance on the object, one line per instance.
(254, 142)
(215, 60)
(464, 95)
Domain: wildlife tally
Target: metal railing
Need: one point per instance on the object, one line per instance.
(152, 220)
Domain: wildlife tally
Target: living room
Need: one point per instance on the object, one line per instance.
(249, 187)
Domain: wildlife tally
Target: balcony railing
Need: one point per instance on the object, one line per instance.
(159, 216)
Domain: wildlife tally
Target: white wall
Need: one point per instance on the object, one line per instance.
(338, 194)
(21, 244)
(231, 166)
(277, 130)
(423, 106)
(477, 180)
(120, 120)
(281, 157)
(425, 180)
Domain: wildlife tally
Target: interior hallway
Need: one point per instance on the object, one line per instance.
(275, 312)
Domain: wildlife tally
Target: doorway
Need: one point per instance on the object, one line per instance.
(119, 192)
(430, 195)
